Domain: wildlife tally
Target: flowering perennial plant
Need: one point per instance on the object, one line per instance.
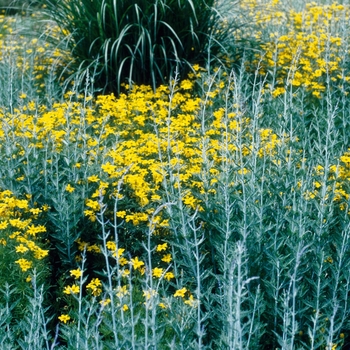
(211, 212)
(301, 48)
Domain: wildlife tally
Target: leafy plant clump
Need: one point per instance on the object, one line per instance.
(211, 212)
(138, 41)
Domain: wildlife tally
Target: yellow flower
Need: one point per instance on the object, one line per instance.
(111, 245)
(123, 261)
(119, 253)
(94, 286)
(21, 249)
(69, 188)
(64, 318)
(186, 84)
(22, 203)
(157, 272)
(40, 253)
(93, 178)
(122, 291)
(74, 289)
(191, 302)
(24, 264)
(162, 305)
(148, 294)
(125, 307)
(167, 258)
(94, 248)
(169, 275)
(121, 214)
(161, 247)
(136, 263)
(76, 273)
(81, 244)
(91, 214)
(196, 67)
(94, 205)
(33, 230)
(190, 201)
(105, 302)
(180, 292)
(45, 207)
(35, 211)
(3, 225)
(125, 272)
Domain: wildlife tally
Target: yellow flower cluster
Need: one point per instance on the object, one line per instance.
(18, 231)
(157, 137)
(336, 187)
(95, 286)
(34, 57)
(304, 48)
(145, 141)
(141, 138)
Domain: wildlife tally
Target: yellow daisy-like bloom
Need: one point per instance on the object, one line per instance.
(121, 291)
(74, 289)
(123, 261)
(76, 273)
(161, 247)
(136, 263)
(105, 302)
(180, 292)
(45, 207)
(125, 273)
(69, 188)
(35, 211)
(93, 178)
(21, 249)
(162, 305)
(167, 258)
(40, 253)
(119, 253)
(121, 214)
(33, 230)
(94, 248)
(111, 245)
(169, 275)
(186, 84)
(64, 318)
(157, 272)
(3, 225)
(24, 264)
(191, 301)
(94, 286)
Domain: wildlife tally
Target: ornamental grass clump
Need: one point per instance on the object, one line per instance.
(139, 41)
